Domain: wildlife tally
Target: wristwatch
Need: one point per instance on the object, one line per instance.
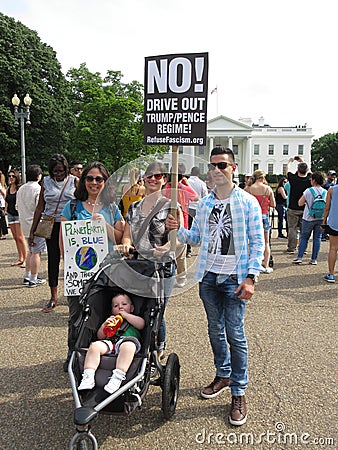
(252, 277)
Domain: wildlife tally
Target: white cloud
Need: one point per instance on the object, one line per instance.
(270, 58)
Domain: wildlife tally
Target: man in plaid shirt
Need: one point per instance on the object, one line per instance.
(228, 226)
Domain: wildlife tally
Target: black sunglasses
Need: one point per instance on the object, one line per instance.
(77, 169)
(221, 165)
(90, 179)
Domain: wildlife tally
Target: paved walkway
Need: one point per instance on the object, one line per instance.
(292, 334)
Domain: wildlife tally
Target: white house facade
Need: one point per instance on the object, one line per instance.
(256, 146)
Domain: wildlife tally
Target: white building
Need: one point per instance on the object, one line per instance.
(256, 146)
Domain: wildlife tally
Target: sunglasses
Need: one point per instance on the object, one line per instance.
(157, 176)
(77, 169)
(11, 176)
(57, 172)
(90, 179)
(221, 165)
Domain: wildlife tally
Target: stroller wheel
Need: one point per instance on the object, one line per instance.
(83, 441)
(170, 385)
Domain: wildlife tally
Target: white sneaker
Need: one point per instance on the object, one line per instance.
(181, 283)
(115, 381)
(87, 382)
(313, 262)
(268, 270)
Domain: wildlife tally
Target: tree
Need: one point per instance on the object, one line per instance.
(324, 153)
(27, 65)
(109, 118)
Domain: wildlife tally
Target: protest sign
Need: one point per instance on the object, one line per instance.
(85, 244)
(175, 99)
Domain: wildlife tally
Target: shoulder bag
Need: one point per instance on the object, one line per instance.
(45, 226)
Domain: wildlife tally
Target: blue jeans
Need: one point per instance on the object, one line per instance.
(281, 210)
(307, 227)
(225, 314)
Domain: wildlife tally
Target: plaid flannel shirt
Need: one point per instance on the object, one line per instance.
(247, 227)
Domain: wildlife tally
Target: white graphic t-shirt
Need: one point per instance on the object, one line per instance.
(221, 253)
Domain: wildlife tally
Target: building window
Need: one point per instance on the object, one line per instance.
(271, 149)
(284, 169)
(201, 150)
(300, 149)
(235, 149)
(256, 149)
(255, 167)
(180, 149)
(201, 166)
(285, 149)
(270, 168)
(166, 165)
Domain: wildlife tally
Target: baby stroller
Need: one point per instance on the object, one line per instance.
(142, 280)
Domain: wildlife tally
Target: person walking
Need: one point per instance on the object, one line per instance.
(266, 199)
(281, 197)
(200, 187)
(330, 224)
(56, 190)
(14, 182)
(299, 181)
(26, 201)
(311, 222)
(229, 228)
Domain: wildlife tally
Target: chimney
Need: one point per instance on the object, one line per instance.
(261, 121)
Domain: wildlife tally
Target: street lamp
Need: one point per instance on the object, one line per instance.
(22, 116)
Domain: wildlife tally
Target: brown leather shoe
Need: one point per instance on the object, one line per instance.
(215, 387)
(238, 414)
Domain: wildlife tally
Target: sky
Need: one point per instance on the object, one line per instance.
(270, 58)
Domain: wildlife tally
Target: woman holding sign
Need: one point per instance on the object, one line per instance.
(153, 210)
(92, 202)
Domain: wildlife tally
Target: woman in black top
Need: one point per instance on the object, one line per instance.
(281, 197)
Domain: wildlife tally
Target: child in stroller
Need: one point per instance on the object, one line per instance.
(142, 282)
(125, 343)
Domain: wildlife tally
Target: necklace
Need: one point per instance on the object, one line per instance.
(94, 203)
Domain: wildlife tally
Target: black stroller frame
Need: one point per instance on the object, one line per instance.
(145, 280)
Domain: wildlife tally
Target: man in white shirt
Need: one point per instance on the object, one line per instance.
(26, 200)
(200, 187)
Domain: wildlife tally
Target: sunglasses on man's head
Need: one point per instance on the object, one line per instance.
(221, 165)
(90, 179)
(157, 176)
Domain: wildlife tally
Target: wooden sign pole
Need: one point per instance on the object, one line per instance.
(174, 186)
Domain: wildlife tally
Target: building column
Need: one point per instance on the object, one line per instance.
(248, 167)
(230, 142)
(211, 145)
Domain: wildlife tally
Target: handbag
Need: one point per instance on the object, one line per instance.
(45, 226)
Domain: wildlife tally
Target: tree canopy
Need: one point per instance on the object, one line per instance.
(109, 118)
(324, 153)
(27, 65)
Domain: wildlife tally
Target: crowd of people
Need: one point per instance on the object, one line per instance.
(230, 223)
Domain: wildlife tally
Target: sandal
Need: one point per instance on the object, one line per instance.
(17, 263)
(50, 306)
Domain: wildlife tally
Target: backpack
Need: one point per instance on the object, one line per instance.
(317, 208)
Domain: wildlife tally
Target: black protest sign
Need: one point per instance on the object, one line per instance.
(175, 99)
